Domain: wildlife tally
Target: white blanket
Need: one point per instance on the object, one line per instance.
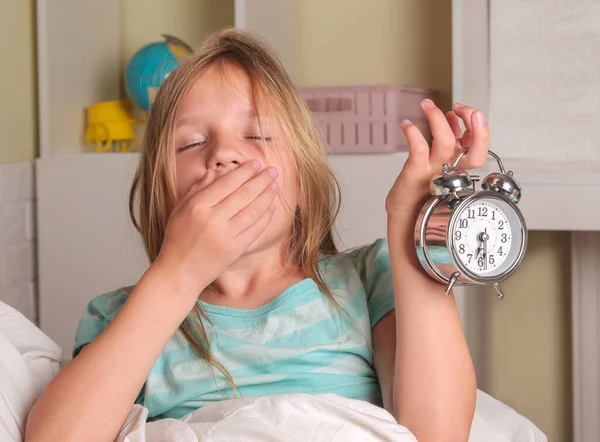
(303, 417)
(290, 418)
(29, 360)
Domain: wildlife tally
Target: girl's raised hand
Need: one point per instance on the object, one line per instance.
(214, 224)
(425, 161)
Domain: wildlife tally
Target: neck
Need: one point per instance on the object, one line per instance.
(254, 279)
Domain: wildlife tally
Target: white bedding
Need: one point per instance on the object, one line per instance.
(303, 417)
(29, 359)
(290, 418)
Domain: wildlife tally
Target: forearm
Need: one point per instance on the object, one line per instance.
(91, 397)
(434, 379)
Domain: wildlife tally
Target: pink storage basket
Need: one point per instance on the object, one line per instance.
(366, 119)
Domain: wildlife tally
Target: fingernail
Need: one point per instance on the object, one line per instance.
(272, 207)
(428, 103)
(406, 122)
(273, 172)
(275, 187)
(479, 117)
(459, 105)
(256, 164)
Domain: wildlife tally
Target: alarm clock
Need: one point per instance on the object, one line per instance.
(465, 236)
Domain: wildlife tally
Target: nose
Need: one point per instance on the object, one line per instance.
(224, 157)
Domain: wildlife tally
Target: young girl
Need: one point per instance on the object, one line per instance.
(246, 293)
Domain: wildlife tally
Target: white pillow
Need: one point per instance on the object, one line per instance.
(30, 359)
(495, 421)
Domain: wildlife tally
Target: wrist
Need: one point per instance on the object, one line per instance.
(154, 309)
(401, 241)
(176, 282)
(407, 208)
(401, 226)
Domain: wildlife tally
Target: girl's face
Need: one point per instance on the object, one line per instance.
(217, 128)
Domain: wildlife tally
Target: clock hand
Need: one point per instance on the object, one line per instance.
(479, 244)
(485, 240)
(484, 255)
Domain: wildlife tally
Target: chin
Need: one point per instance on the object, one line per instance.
(264, 243)
(275, 237)
(270, 239)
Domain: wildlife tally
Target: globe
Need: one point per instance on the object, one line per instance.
(150, 66)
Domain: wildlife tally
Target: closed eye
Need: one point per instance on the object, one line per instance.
(189, 146)
(257, 138)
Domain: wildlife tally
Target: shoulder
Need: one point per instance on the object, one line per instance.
(368, 255)
(107, 305)
(99, 312)
(364, 270)
(366, 264)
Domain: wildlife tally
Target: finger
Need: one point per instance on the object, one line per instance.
(466, 141)
(193, 191)
(418, 148)
(254, 211)
(452, 119)
(248, 192)
(478, 151)
(224, 186)
(197, 187)
(464, 113)
(462, 138)
(444, 140)
(248, 237)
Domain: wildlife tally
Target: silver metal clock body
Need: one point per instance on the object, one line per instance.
(465, 236)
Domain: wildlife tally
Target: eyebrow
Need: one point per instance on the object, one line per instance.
(246, 113)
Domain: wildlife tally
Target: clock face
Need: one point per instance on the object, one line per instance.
(487, 237)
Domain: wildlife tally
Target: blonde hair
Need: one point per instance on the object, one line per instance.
(153, 193)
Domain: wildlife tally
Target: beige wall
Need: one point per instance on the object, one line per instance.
(144, 20)
(377, 42)
(18, 112)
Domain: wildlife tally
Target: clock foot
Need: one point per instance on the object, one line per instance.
(500, 294)
(453, 279)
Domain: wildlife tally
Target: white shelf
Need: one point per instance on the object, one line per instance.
(87, 244)
(556, 195)
(560, 201)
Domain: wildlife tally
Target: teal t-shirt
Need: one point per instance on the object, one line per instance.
(299, 342)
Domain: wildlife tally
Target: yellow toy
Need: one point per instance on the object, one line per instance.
(110, 126)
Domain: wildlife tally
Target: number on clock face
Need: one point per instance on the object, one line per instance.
(482, 237)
